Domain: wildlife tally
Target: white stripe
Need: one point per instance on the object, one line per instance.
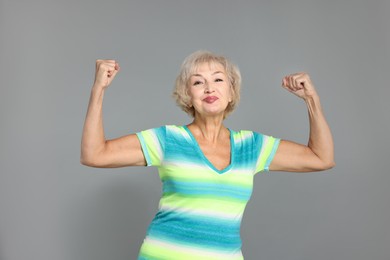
(157, 146)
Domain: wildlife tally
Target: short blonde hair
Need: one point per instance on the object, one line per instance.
(188, 68)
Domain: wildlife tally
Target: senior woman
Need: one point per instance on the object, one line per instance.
(206, 168)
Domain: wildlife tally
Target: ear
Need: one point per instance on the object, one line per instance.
(231, 94)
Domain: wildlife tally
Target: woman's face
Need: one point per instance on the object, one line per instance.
(210, 90)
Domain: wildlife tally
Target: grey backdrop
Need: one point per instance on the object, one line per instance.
(51, 207)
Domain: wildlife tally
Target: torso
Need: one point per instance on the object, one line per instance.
(201, 207)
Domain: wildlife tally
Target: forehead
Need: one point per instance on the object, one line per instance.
(207, 68)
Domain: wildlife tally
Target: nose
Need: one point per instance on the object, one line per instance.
(208, 88)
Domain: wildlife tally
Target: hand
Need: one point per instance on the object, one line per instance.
(105, 72)
(299, 84)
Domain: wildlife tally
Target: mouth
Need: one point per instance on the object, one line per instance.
(210, 99)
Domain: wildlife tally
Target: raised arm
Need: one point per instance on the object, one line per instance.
(318, 154)
(96, 151)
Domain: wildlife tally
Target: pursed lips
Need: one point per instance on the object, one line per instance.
(210, 99)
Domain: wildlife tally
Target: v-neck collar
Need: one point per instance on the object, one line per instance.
(204, 158)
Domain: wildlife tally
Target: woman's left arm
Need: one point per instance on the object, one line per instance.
(318, 154)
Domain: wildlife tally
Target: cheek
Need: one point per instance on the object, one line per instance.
(193, 95)
(191, 92)
(195, 92)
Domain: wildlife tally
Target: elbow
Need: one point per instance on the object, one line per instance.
(333, 164)
(84, 160)
(89, 160)
(91, 163)
(327, 165)
(330, 165)
(91, 157)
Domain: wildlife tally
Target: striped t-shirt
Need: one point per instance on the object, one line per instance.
(201, 208)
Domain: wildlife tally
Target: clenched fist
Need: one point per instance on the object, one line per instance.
(299, 84)
(105, 72)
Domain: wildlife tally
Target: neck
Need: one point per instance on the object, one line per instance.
(210, 129)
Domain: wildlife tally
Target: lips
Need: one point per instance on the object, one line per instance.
(210, 99)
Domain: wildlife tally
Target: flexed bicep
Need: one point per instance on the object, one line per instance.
(294, 157)
(118, 152)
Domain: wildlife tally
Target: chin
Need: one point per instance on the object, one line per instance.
(213, 113)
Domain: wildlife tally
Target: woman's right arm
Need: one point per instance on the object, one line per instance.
(96, 151)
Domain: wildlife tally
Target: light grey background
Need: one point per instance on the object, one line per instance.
(51, 207)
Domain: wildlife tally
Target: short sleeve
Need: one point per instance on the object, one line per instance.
(153, 145)
(267, 146)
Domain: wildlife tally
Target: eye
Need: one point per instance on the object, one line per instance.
(218, 80)
(197, 83)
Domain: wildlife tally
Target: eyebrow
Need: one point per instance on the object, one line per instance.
(216, 72)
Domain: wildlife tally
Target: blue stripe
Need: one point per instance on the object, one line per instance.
(161, 135)
(205, 231)
(207, 189)
(272, 154)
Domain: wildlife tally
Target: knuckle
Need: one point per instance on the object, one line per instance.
(101, 61)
